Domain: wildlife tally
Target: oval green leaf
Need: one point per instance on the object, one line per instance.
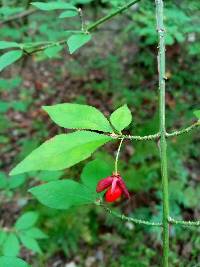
(62, 151)
(30, 243)
(77, 40)
(76, 116)
(197, 113)
(5, 44)
(9, 58)
(53, 51)
(26, 221)
(62, 194)
(36, 233)
(12, 261)
(121, 118)
(68, 14)
(53, 6)
(11, 245)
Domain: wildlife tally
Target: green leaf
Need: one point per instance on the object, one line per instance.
(9, 58)
(94, 171)
(77, 40)
(48, 176)
(197, 113)
(121, 118)
(62, 194)
(62, 151)
(12, 262)
(68, 14)
(3, 236)
(11, 245)
(53, 51)
(16, 181)
(26, 221)
(36, 233)
(4, 45)
(3, 180)
(30, 243)
(53, 6)
(76, 116)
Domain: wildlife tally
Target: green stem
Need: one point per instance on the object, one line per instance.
(156, 136)
(88, 28)
(185, 130)
(111, 15)
(117, 156)
(184, 223)
(163, 144)
(126, 218)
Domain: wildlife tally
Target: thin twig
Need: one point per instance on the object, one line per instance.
(111, 15)
(184, 223)
(89, 28)
(18, 16)
(185, 130)
(126, 218)
(156, 136)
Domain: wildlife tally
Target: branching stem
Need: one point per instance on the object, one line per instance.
(156, 136)
(89, 28)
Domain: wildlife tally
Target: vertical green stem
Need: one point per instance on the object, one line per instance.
(163, 144)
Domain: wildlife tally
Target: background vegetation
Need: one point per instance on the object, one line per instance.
(118, 66)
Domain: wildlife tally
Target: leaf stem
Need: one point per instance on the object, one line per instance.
(117, 156)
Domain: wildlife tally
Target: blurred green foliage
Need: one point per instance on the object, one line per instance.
(118, 67)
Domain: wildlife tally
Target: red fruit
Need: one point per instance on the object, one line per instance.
(104, 183)
(113, 196)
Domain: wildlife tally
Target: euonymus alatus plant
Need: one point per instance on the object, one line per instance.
(91, 130)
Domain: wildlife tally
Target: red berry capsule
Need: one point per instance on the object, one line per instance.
(113, 196)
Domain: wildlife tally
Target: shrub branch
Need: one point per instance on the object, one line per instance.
(126, 218)
(156, 136)
(184, 223)
(32, 49)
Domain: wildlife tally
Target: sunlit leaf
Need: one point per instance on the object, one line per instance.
(76, 116)
(62, 151)
(121, 118)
